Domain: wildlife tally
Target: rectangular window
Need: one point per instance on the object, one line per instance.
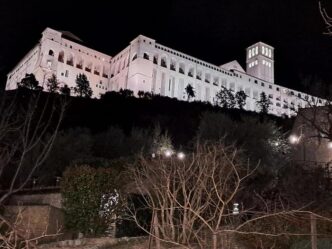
(67, 73)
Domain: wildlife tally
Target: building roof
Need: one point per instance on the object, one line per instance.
(70, 36)
(233, 65)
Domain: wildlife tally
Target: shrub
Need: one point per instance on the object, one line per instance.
(90, 198)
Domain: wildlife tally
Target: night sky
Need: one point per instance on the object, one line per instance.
(217, 31)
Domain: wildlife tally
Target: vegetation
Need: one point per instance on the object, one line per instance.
(29, 82)
(263, 103)
(91, 198)
(83, 88)
(52, 84)
(225, 98)
(231, 156)
(190, 91)
(240, 98)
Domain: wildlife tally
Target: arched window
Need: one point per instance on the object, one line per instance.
(173, 65)
(79, 63)
(155, 59)
(96, 70)
(134, 57)
(191, 72)
(118, 67)
(199, 75)
(146, 56)
(50, 52)
(70, 60)
(181, 68)
(207, 78)
(163, 62)
(105, 71)
(61, 56)
(88, 67)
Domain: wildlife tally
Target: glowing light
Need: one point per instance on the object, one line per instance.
(181, 155)
(329, 145)
(168, 153)
(293, 139)
(236, 208)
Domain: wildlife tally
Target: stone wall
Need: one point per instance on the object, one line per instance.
(36, 220)
(51, 199)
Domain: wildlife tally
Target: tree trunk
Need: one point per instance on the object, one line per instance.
(214, 241)
(313, 232)
(156, 229)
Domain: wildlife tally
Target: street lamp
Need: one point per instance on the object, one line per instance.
(294, 139)
(236, 208)
(329, 145)
(181, 155)
(168, 153)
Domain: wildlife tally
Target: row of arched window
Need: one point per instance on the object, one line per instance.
(78, 62)
(181, 68)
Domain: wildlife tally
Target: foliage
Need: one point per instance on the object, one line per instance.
(52, 84)
(69, 146)
(263, 142)
(29, 123)
(91, 198)
(240, 98)
(83, 88)
(126, 93)
(225, 98)
(140, 94)
(161, 142)
(190, 199)
(190, 91)
(29, 82)
(80, 146)
(65, 90)
(263, 103)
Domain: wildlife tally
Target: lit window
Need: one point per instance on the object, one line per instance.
(270, 53)
(256, 49)
(263, 61)
(256, 62)
(263, 50)
(249, 53)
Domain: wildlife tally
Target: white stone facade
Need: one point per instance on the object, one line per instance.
(151, 67)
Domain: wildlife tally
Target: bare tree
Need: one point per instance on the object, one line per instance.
(327, 19)
(191, 199)
(13, 235)
(29, 122)
(195, 202)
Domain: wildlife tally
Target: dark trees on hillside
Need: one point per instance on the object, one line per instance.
(263, 103)
(190, 92)
(65, 90)
(29, 82)
(83, 88)
(52, 84)
(240, 98)
(225, 98)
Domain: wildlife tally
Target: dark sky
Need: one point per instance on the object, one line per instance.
(217, 31)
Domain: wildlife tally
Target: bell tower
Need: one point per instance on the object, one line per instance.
(260, 61)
